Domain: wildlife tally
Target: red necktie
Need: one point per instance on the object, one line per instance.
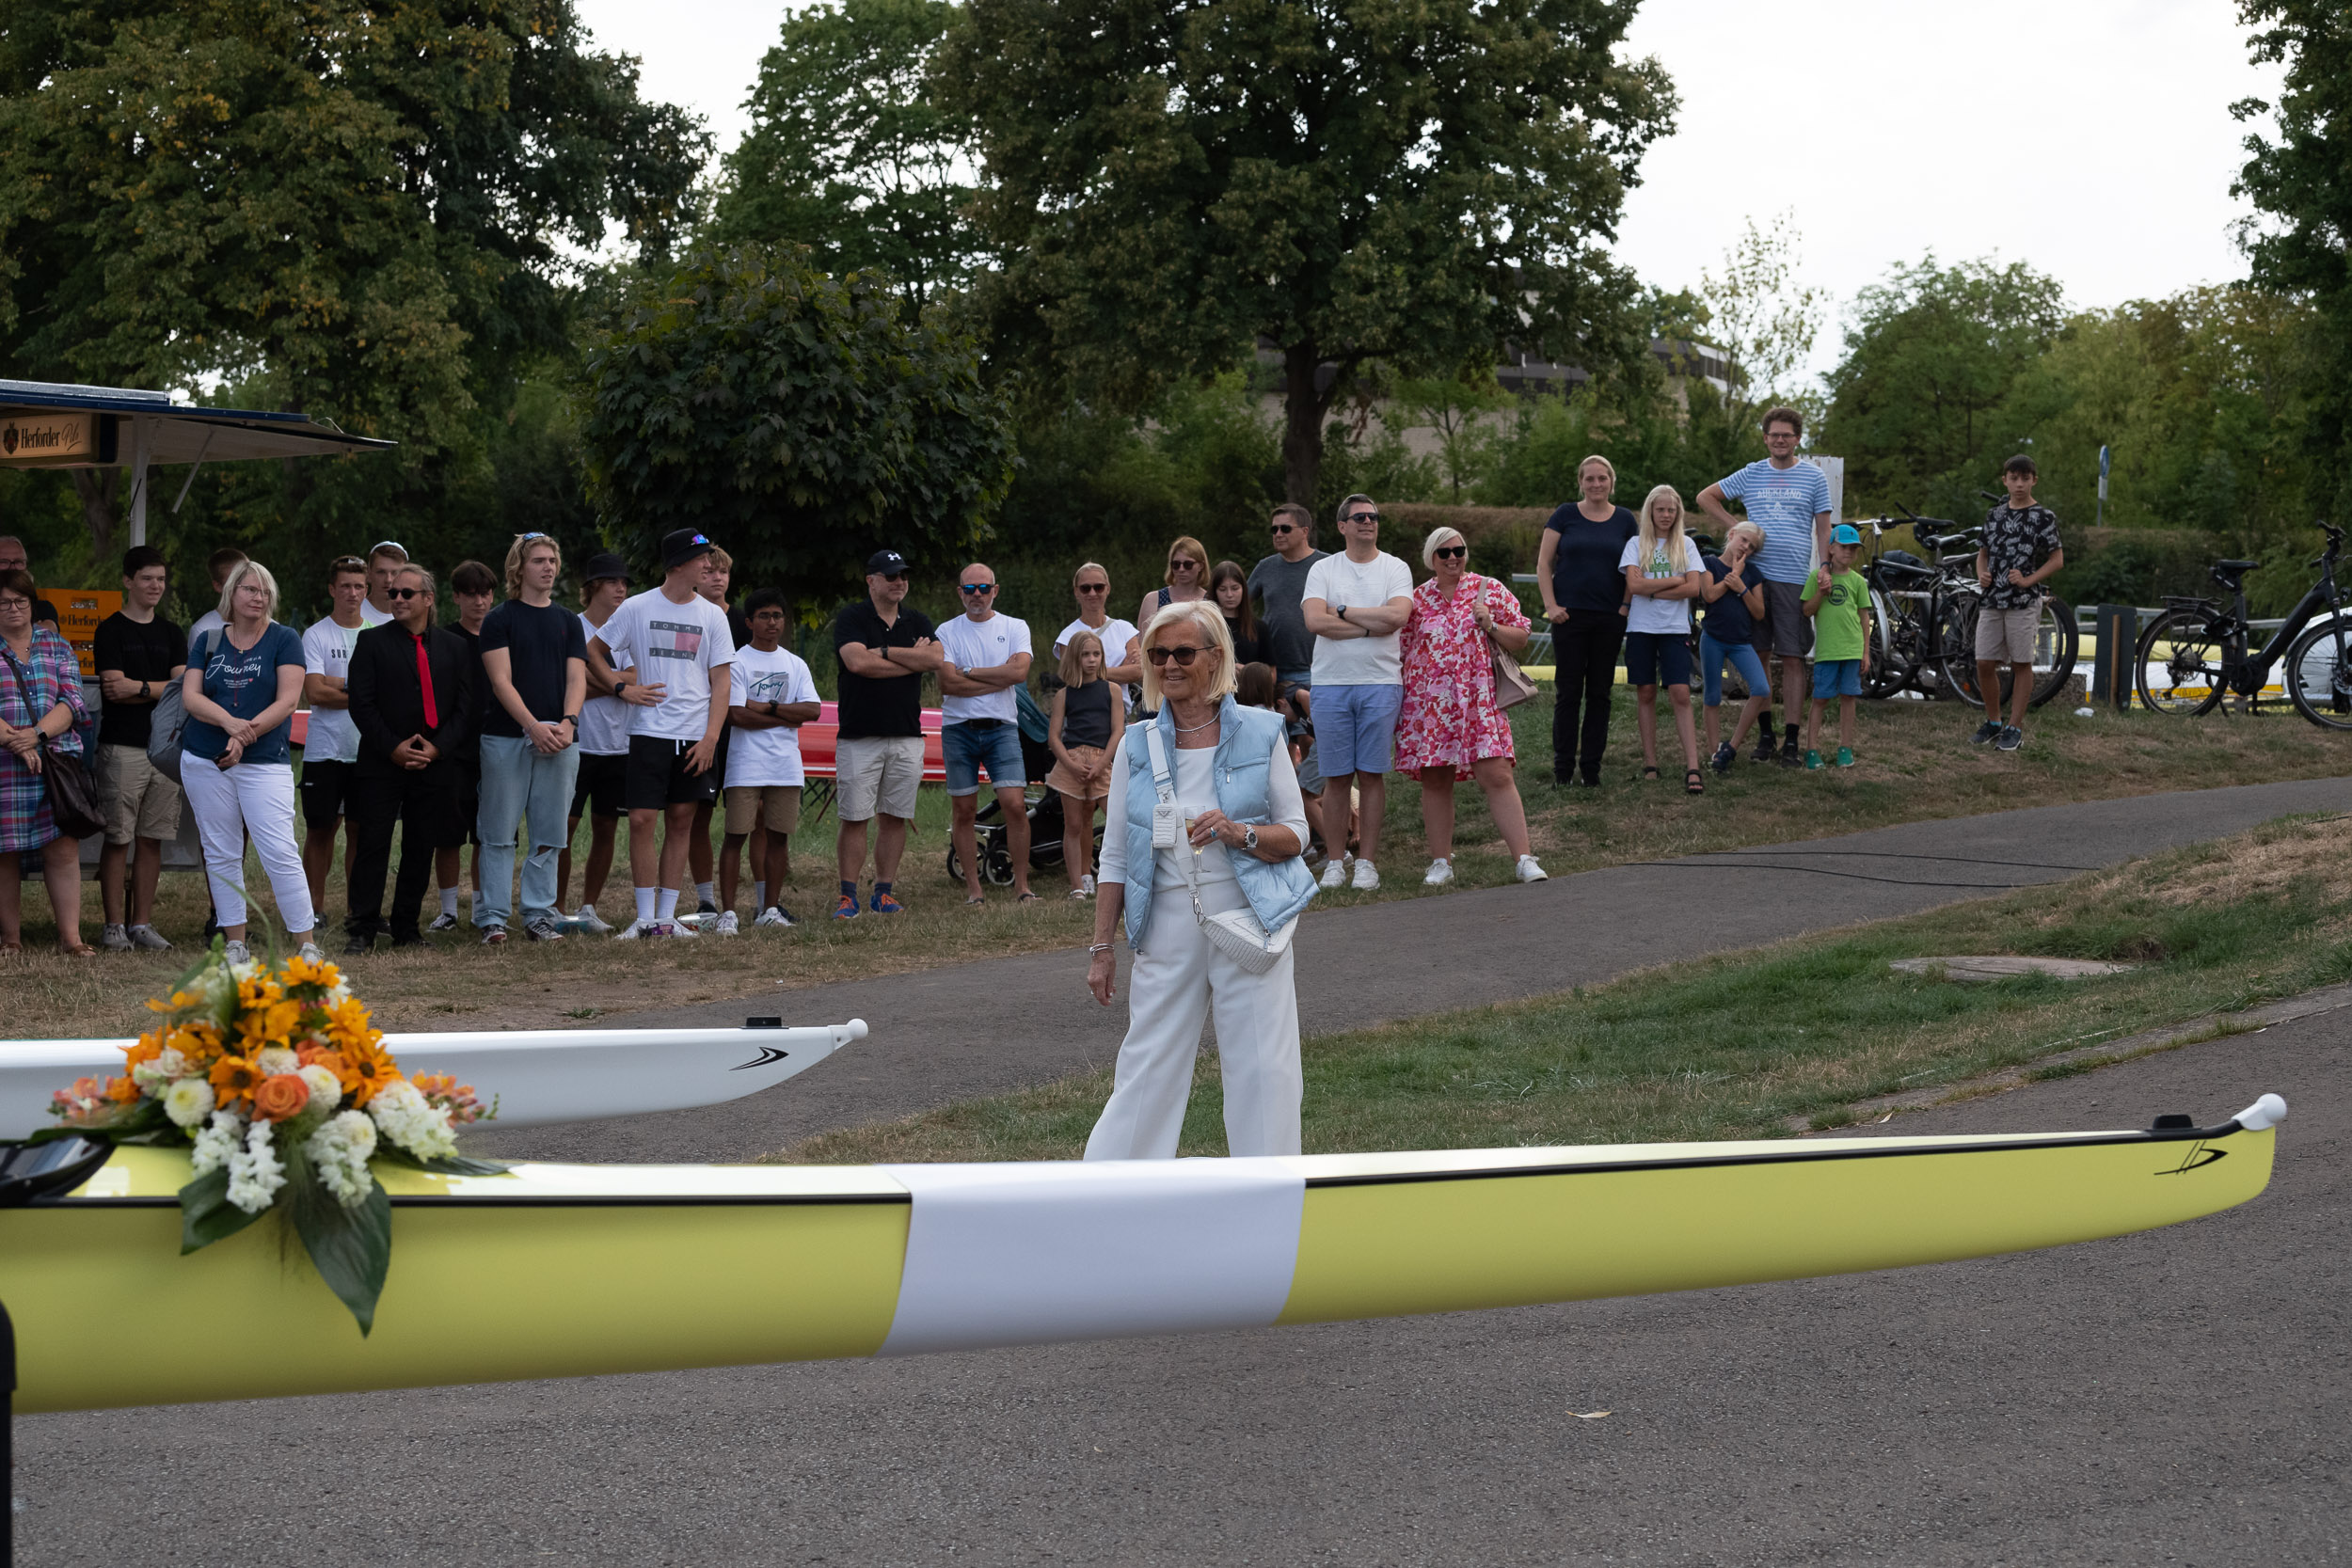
(424, 681)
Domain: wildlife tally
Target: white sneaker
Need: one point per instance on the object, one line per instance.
(633, 930)
(1334, 874)
(1366, 878)
(774, 916)
(1085, 883)
(311, 953)
(726, 925)
(678, 928)
(237, 953)
(1439, 873)
(1531, 872)
(149, 938)
(443, 922)
(591, 921)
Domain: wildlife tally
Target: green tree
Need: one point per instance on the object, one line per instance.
(2304, 180)
(1930, 360)
(1351, 180)
(1762, 317)
(1460, 408)
(362, 211)
(849, 153)
(798, 417)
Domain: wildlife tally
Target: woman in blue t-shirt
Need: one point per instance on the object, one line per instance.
(236, 758)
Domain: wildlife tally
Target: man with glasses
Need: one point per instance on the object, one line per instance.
(985, 656)
(886, 650)
(384, 563)
(331, 747)
(137, 652)
(1355, 604)
(15, 558)
(1279, 583)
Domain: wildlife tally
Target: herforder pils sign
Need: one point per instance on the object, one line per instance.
(30, 440)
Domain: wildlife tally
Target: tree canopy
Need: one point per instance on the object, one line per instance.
(849, 152)
(799, 417)
(1169, 183)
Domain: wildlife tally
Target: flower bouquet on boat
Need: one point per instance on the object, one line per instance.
(275, 1077)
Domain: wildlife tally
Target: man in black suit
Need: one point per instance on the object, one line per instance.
(414, 689)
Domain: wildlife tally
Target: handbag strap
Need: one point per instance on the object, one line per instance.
(32, 711)
(1185, 864)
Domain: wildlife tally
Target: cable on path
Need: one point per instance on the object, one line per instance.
(1906, 855)
(1825, 871)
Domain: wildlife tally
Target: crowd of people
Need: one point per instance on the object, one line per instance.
(511, 721)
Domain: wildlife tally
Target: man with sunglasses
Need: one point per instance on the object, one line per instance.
(886, 650)
(1355, 604)
(985, 656)
(1279, 583)
(331, 747)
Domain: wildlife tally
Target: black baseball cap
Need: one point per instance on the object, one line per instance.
(888, 564)
(602, 566)
(682, 545)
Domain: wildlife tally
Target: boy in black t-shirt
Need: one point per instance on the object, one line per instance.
(138, 653)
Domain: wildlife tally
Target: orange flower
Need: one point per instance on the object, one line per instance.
(300, 970)
(347, 1024)
(148, 1047)
(198, 1044)
(122, 1091)
(370, 1068)
(312, 1056)
(234, 1078)
(275, 1099)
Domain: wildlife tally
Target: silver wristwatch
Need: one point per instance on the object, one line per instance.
(1250, 838)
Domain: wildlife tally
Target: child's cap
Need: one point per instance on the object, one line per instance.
(1846, 533)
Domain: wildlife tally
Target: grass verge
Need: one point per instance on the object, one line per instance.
(1744, 1044)
(1915, 765)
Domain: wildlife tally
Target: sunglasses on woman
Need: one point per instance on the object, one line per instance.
(1451, 552)
(1094, 588)
(1183, 654)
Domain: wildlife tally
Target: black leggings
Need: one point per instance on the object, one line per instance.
(1584, 652)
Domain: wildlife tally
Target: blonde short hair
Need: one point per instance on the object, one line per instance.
(1753, 531)
(1204, 614)
(1441, 535)
(519, 552)
(1072, 672)
(237, 575)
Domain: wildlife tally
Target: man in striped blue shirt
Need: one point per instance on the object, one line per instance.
(1790, 501)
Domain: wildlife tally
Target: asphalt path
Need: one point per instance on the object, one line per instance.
(1005, 1024)
(2175, 1397)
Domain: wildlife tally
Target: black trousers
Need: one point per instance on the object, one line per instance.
(424, 804)
(1585, 649)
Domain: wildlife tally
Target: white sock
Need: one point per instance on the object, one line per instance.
(666, 904)
(644, 905)
(704, 892)
(448, 901)
(759, 896)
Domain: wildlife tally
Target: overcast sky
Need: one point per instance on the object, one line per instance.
(2089, 137)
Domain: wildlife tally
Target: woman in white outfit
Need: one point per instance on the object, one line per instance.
(1238, 818)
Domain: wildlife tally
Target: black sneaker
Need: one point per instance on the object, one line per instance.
(1987, 732)
(1766, 749)
(1790, 756)
(1724, 757)
(2011, 737)
(358, 943)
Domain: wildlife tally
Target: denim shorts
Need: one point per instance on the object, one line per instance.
(969, 747)
(1837, 677)
(1657, 658)
(1743, 660)
(1356, 728)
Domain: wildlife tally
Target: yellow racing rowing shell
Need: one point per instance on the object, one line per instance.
(561, 1271)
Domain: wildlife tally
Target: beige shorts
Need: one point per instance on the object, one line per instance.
(2007, 636)
(876, 773)
(774, 807)
(139, 802)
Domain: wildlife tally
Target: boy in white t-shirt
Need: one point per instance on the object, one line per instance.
(331, 747)
(773, 696)
(1355, 604)
(678, 691)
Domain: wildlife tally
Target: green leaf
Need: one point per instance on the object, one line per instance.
(206, 1215)
(352, 1248)
(452, 1164)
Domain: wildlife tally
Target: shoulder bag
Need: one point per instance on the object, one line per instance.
(1511, 685)
(1236, 932)
(163, 726)
(73, 803)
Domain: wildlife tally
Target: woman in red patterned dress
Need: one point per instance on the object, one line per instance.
(1449, 727)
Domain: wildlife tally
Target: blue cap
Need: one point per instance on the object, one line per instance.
(1845, 533)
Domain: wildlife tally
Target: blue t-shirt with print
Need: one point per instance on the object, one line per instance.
(1783, 502)
(244, 681)
(1727, 618)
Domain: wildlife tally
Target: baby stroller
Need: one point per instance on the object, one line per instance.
(1044, 811)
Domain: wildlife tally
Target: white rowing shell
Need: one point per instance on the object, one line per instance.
(538, 1075)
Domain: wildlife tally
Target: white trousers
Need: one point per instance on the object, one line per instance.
(1174, 983)
(256, 798)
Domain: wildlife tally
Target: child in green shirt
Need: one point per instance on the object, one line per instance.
(1838, 599)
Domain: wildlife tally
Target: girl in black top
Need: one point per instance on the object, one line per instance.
(1230, 585)
(1083, 729)
(1583, 589)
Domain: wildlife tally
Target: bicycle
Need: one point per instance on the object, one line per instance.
(1917, 609)
(2196, 653)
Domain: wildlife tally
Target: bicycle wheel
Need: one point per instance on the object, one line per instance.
(2179, 664)
(2319, 674)
(1890, 670)
(1955, 647)
(2056, 640)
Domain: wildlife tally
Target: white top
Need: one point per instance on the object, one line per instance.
(1117, 636)
(1196, 794)
(1647, 613)
(371, 616)
(772, 755)
(674, 646)
(1357, 660)
(209, 621)
(603, 720)
(333, 736)
(978, 645)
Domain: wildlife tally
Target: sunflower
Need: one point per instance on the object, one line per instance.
(312, 1056)
(235, 1078)
(300, 970)
(347, 1024)
(370, 1069)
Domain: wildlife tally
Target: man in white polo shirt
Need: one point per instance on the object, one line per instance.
(987, 655)
(1355, 604)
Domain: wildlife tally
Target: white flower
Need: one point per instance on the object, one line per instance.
(405, 1115)
(327, 1090)
(218, 1142)
(187, 1103)
(152, 1076)
(277, 1059)
(339, 1151)
(255, 1172)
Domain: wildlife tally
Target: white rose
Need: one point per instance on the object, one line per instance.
(277, 1059)
(188, 1101)
(327, 1090)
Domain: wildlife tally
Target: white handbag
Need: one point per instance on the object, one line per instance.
(1234, 934)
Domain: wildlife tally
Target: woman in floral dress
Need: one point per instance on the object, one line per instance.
(1449, 727)
(40, 708)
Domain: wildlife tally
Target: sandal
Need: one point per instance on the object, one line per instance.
(1692, 783)
(976, 899)
(1650, 770)
(1026, 898)
(78, 950)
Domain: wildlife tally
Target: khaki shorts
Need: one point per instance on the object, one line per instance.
(139, 802)
(774, 807)
(2007, 636)
(876, 773)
